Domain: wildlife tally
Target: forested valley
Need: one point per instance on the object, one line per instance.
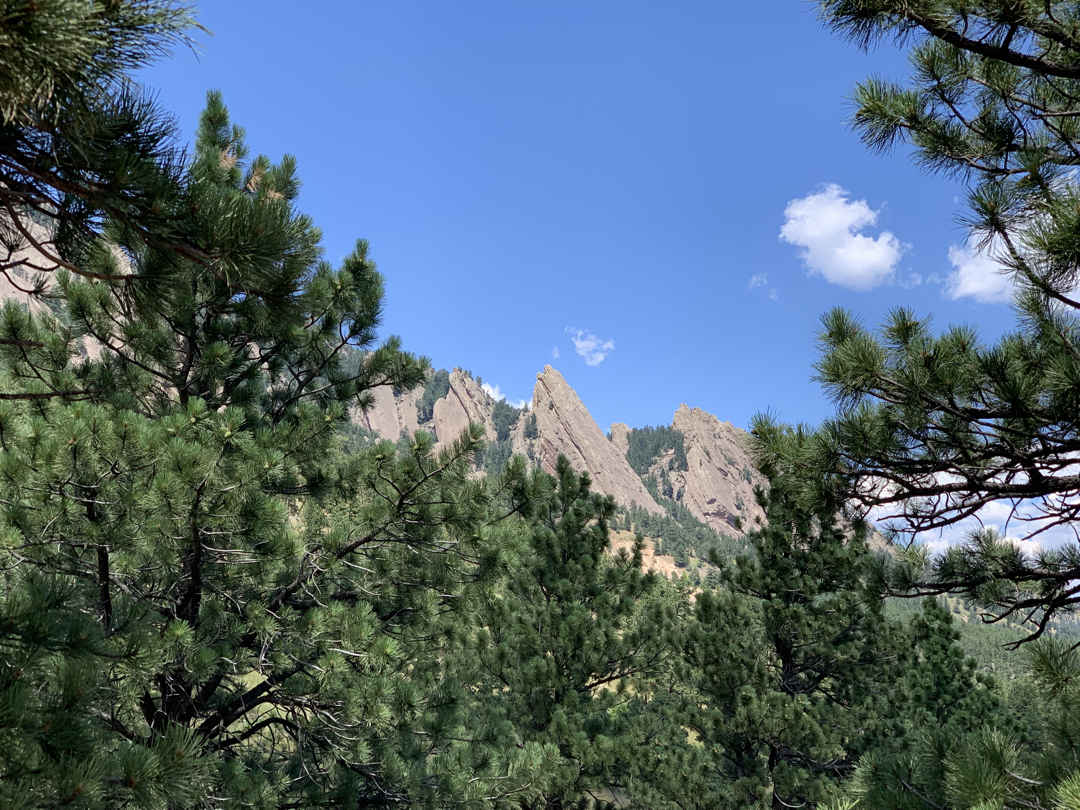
(217, 591)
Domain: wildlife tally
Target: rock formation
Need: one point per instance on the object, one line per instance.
(719, 485)
(566, 427)
(620, 437)
(467, 402)
(391, 416)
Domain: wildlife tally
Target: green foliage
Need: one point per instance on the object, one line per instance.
(954, 423)
(780, 671)
(56, 54)
(975, 757)
(530, 430)
(649, 443)
(496, 453)
(217, 591)
(567, 637)
(436, 387)
(199, 585)
(85, 153)
(935, 425)
(493, 457)
(683, 536)
(506, 418)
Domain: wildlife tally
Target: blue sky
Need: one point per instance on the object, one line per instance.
(664, 195)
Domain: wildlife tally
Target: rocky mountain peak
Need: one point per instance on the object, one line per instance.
(698, 466)
(566, 427)
(718, 484)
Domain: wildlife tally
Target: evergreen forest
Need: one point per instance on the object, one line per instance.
(217, 591)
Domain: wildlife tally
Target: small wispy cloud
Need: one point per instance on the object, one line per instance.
(589, 347)
(911, 281)
(554, 352)
(828, 228)
(762, 280)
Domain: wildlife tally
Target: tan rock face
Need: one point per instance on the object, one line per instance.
(717, 488)
(620, 437)
(566, 427)
(466, 402)
(390, 416)
(719, 484)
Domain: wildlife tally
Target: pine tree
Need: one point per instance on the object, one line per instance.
(237, 611)
(81, 144)
(783, 662)
(965, 751)
(566, 638)
(931, 427)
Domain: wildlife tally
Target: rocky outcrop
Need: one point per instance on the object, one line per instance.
(391, 416)
(566, 427)
(466, 402)
(620, 437)
(717, 488)
(718, 485)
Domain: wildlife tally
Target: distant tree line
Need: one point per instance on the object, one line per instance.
(530, 430)
(505, 416)
(649, 443)
(498, 450)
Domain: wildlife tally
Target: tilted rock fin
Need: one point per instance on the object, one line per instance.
(566, 427)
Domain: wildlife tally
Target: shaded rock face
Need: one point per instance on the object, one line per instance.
(395, 416)
(566, 427)
(718, 485)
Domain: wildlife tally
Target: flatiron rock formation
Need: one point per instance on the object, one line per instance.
(466, 402)
(566, 427)
(391, 416)
(718, 485)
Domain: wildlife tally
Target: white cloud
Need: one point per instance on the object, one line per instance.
(1029, 547)
(827, 227)
(772, 295)
(496, 394)
(589, 347)
(493, 391)
(977, 275)
(554, 352)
